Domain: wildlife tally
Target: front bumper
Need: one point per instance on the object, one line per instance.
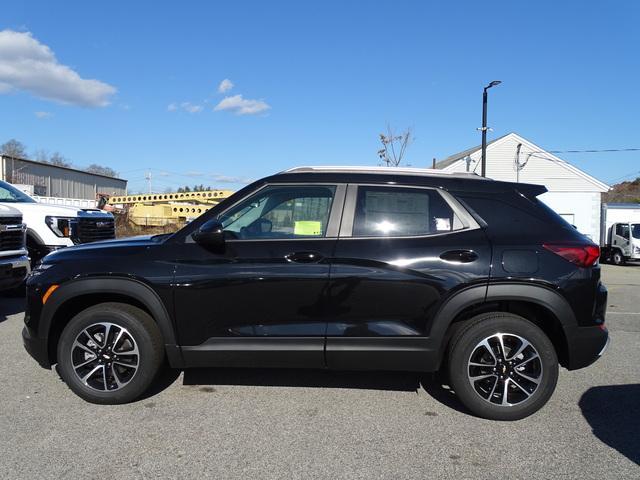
(13, 271)
(36, 347)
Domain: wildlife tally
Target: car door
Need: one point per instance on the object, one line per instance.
(622, 238)
(259, 301)
(401, 252)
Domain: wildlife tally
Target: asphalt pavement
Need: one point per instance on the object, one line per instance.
(225, 423)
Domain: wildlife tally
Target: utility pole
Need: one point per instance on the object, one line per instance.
(147, 177)
(484, 126)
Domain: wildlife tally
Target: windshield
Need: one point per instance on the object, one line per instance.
(635, 230)
(10, 194)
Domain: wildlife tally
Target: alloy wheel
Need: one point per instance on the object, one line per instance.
(105, 356)
(504, 369)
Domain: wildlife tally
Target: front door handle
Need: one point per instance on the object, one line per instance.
(304, 257)
(459, 256)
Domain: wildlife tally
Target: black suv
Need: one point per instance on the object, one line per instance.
(339, 268)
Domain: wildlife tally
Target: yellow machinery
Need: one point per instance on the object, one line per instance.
(160, 209)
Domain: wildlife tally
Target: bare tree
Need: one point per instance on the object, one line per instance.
(41, 156)
(58, 160)
(14, 148)
(394, 146)
(100, 170)
(54, 158)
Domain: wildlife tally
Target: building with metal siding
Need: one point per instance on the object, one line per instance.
(53, 181)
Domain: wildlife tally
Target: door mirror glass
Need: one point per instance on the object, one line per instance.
(210, 234)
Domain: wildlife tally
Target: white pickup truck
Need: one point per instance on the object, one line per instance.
(14, 262)
(50, 227)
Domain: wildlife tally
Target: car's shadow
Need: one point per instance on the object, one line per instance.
(10, 305)
(394, 381)
(613, 412)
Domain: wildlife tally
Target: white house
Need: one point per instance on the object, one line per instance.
(573, 194)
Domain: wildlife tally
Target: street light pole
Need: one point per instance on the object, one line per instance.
(484, 126)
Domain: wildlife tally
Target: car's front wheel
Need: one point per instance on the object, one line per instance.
(110, 353)
(502, 366)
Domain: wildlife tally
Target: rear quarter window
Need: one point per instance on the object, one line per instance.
(512, 213)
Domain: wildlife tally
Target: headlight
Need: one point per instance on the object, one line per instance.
(61, 226)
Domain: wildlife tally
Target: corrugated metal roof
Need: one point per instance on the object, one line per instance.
(60, 167)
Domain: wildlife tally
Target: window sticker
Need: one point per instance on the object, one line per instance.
(307, 227)
(443, 224)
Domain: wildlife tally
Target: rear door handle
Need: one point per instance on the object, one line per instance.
(304, 257)
(459, 256)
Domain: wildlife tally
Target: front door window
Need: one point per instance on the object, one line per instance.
(281, 212)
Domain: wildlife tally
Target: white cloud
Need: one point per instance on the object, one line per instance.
(242, 106)
(26, 64)
(186, 106)
(190, 107)
(225, 86)
(43, 114)
(228, 179)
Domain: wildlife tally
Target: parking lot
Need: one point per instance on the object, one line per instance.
(302, 424)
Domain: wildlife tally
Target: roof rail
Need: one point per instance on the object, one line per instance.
(384, 170)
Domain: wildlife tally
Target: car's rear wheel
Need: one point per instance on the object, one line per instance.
(502, 366)
(110, 353)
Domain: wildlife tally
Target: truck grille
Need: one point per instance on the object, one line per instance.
(11, 240)
(94, 229)
(10, 220)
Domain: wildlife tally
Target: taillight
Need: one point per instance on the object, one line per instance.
(581, 255)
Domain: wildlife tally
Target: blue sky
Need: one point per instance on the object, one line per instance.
(319, 81)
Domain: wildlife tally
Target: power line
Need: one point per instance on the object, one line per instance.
(606, 150)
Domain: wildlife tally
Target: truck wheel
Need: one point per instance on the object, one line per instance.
(617, 258)
(110, 353)
(502, 366)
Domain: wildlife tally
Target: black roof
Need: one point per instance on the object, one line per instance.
(448, 181)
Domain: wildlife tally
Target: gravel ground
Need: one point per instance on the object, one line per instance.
(312, 424)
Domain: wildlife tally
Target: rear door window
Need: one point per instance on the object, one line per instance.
(400, 211)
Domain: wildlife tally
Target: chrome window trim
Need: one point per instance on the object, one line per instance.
(348, 216)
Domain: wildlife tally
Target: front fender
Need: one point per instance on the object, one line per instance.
(127, 287)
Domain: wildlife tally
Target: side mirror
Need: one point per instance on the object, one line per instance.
(210, 234)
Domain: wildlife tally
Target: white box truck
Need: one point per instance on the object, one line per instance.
(620, 232)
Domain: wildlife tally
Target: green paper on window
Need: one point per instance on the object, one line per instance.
(307, 227)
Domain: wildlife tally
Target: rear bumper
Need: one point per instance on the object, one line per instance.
(36, 347)
(13, 271)
(586, 345)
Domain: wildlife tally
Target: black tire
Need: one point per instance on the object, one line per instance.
(139, 331)
(473, 393)
(617, 258)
